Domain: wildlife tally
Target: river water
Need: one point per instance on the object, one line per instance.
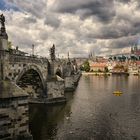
(92, 112)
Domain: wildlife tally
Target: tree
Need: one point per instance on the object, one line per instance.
(110, 58)
(106, 69)
(134, 58)
(115, 58)
(123, 58)
(9, 45)
(86, 66)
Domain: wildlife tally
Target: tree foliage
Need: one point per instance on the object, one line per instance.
(106, 69)
(9, 45)
(86, 66)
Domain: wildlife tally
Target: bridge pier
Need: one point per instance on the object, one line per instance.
(14, 112)
(71, 82)
(55, 91)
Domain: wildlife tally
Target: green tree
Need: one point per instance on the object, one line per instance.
(86, 66)
(9, 45)
(106, 69)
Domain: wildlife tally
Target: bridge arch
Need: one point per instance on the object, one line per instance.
(58, 72)
(27, 76)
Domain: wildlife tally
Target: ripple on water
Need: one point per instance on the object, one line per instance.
(93, 112)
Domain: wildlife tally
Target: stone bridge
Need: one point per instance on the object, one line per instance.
(15, 67)
(35, 75)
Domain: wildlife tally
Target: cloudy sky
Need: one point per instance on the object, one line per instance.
(74, 26)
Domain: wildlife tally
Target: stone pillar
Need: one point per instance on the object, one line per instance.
(3, 44)
(52, 68)
(3, 60)
(3, 47)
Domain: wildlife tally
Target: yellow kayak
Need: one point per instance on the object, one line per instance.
(117, 93)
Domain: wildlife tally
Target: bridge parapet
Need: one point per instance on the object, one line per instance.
(27, 59)
(14, 65)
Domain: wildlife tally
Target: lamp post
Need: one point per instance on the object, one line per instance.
(33, 47)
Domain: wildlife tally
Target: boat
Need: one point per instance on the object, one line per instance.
(135, 74)
(117, 93)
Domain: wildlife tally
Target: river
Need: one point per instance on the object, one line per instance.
(92, 112)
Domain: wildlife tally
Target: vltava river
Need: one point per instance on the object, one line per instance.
(92, 112)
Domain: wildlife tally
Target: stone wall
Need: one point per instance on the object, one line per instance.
(14, 68)
(14, 115)
(55, 89)
(3, 44)
(69, 83)
(13, 64)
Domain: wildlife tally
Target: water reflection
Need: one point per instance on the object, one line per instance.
(92, 112)
(45, 120)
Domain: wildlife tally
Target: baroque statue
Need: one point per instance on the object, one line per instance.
(2, 20)
(3, 33)
(52, 52)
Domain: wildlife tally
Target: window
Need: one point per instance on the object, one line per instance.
(10, 74)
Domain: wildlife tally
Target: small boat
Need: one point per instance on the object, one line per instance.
(117, 93)
(135, 74)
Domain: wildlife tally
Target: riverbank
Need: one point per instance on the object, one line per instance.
(109, 73)
(96, 73)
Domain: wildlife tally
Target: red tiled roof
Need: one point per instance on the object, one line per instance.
(137, 52)
(98, 65)
(138, 63)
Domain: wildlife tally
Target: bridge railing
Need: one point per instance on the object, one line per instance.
(27, 59)
(13, 58)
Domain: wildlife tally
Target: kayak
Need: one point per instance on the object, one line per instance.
(117, 93)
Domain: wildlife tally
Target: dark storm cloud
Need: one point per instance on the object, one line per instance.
(103, 9)
(75, 25)
(52, 20)
(124, 42)
(123, 1)
(116, 31)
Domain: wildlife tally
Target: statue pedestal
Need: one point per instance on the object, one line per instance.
(3, 44)
(3, 47)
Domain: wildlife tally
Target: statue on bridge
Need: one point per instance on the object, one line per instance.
(52, 52)
(2, 20)
(3, 33)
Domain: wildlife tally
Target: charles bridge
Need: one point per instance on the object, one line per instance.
(39, 77)
(27, 78)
